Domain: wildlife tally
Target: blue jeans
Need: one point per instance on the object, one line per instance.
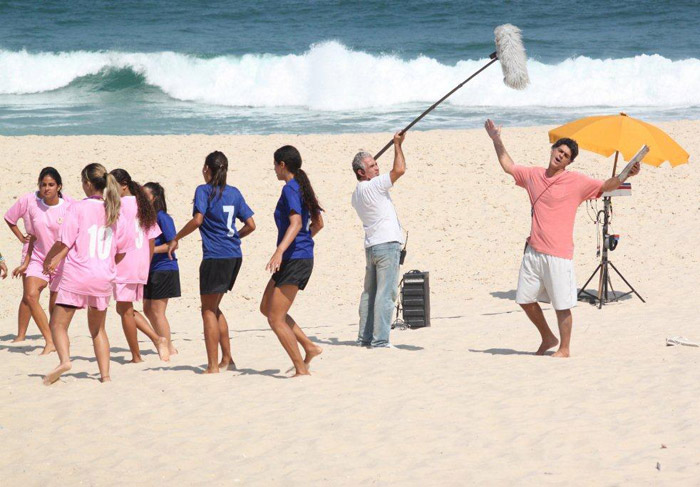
(380, 293)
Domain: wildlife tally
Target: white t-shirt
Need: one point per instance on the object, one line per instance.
(373, 204)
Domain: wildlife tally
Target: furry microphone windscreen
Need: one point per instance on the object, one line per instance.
(511, 53)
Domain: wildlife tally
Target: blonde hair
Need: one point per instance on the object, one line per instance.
(101, 180)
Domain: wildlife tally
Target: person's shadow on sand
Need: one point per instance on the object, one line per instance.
(353, 343)
(506, 351)
(76, 375)
(275, 373)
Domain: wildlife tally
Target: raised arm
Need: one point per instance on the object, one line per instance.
(614, 182)
(399, 168)
(504, 159)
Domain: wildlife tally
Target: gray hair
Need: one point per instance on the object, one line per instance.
(358, 161)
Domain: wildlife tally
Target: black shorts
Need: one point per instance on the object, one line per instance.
(294, 271)
(162, 285)
(217, 276)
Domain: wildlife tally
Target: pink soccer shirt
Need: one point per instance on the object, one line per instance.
(18, 211)
(554, 201)
(89, 267)
(133, 269)
(46, 222)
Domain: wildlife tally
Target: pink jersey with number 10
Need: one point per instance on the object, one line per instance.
(133, 269)
(89, 267)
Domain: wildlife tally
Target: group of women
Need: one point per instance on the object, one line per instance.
(120, 241)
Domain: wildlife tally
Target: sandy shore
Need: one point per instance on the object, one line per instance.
(462, 402)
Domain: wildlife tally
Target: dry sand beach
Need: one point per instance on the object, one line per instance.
(462, 402)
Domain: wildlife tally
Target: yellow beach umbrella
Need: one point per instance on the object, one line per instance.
(621, 133)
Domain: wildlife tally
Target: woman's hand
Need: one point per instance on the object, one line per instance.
(19, 270)
(50, 265)
(275, 262)
(172, 247)
(3, 269)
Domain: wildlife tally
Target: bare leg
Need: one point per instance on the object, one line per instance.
(210, 320)
(161, 343)
(126, 311)
(225, 342)
(32, 290)
(24, 314)
(278, 300)
(565, 321)
(100, 342)
(52, 301)
(60, 320)
(534, 312)
(310, 348)
(155, 312)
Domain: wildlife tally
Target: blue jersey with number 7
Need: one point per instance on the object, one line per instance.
(220, 238)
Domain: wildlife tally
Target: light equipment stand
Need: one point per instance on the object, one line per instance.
(605, 287)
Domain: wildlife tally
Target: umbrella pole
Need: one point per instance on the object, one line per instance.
(617, 153)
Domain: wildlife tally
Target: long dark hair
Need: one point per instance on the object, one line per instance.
(145, 212)
(218, 165)
(158, 193)
(292, 160)
(53, 174)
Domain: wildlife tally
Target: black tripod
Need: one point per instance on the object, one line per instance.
(605, 288)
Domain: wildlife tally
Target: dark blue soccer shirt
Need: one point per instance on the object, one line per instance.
(161, 262)
(303, 245)
(220, 238)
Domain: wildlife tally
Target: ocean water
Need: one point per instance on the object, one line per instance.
(160, 67)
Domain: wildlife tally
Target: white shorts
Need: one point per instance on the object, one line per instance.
(548, 279)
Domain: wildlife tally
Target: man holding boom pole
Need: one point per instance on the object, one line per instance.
(547, 269)
(383, 240)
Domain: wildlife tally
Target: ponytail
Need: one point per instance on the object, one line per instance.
(292, 160)
(112, 200)
(145, 213)
(101, 180)
(218, 165)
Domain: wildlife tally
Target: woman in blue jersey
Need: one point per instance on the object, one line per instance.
(216, 207)
(164, 273)
(298, 218)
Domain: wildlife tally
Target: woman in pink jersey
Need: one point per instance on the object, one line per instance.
(132, 272)
(18, 211)
(45, 219)
(93, 238)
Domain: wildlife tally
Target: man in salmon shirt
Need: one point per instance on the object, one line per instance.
(547, 269)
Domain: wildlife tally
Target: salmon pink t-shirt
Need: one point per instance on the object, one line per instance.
(89, 268)
(133, 269)
(46, 222)
(554, 202)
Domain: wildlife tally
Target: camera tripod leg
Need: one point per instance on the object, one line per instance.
(628, 284)
(583, 288)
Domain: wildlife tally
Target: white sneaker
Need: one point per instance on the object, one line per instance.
(388, 345)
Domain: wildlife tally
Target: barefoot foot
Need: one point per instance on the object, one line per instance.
(547, 343)
(136, 360)
(56, 373)
(211, 370)
(163, 349)
(311, 353)
(105, 379)
(301, 374)
(48, 349)
(19, 339)
(561, 353)
(173, 350)
(227, 364)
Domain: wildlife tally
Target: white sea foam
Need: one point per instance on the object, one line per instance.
(331, 77)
